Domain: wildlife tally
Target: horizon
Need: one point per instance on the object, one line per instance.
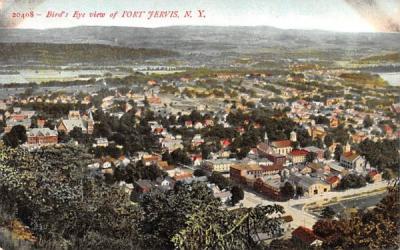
(198, 26)
(335, 15)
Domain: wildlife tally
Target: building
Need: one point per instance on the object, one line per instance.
(318, 152)
(298, 156)
(219, 165)
(269, 187)
(283, 147)
(306, 237)
(311, 186)
(41, 136)
(276, 158)
(353, 161)
(245, 173)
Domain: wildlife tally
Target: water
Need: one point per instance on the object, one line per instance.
(393, 78)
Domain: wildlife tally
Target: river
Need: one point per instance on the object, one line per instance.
(393, 78)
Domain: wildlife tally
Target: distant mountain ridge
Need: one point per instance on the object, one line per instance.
(208, 39)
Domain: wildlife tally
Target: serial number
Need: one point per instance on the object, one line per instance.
(23, 15)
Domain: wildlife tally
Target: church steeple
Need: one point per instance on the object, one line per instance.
(266, 140)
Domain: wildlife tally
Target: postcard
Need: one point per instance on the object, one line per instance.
(182, 124)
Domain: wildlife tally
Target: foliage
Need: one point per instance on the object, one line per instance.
(375, 229)
(210, 228)
(328, 213)
(352, 181)
(15, 137)
(52, 192)
(382, 154)
(218, 179)
(166, 213)
(338, 152)
(287, 191)
(237, 194)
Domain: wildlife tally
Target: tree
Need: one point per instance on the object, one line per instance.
(327, 213)
(338, 152)
(374, 229)
(368, 122)
(52, 192)
(199, 172)
(218, 179)
(211, 228)
(15, 137)
(237, 194)
(287, 191)
(328, 140)
(327, 154)
(299, 191)
(311, 156)
(165, 213)
(352, 181)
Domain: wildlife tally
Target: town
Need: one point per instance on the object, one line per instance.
(314, 141)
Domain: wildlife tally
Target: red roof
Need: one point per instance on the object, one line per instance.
(282, 144)
(348, 154)
(305, 235)
(225, 142)
(373, 173)
(299, 152)
(332, 179)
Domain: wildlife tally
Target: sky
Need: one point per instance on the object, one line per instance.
(334, 15)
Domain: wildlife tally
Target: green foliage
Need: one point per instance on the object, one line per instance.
(237, 194)
(15, 137)
(382, 154)
(287, 191)
(52, 192)
(133, 172)
(46, 53)
(374, 229)
(352, 181)
(338, 152)
(327, 213)
(166, 213)
(218, 179)
(211, 228)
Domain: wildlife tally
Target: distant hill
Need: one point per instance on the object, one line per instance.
(53, 53)
(205, 45)
(208, 39)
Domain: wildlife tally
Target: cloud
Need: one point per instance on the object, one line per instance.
(377, 16)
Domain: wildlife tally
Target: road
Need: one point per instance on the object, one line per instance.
(300, 216)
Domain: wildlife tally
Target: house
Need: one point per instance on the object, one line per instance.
(219, 165)
(150, 159)
(276, 158)
(41, 136)
(269, 186)
(245, 173)
(306, 237)
(319, 168)
(10, 123)
(223, 195)
(334, 122)
(297, 156)
(101, 142)
(311, 186)
(75, 120)
(333, 181)
(142, 187)
(353, 161)
(317, 151)
(197, 140)
(375, 176)
(283, 147)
